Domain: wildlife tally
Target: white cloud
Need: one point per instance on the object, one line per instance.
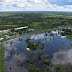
(69, 6)
(36, 1)
(21, 5)
(40, 5)
(29, 5)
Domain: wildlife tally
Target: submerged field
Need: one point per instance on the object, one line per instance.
(44, 47)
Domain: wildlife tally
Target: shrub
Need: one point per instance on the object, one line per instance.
(68, 70)
(46, 62)
(33, 69)
(47, 68)
(57, 68)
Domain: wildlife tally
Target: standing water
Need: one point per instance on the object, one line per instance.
(18, 59)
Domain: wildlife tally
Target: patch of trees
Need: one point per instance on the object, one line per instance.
(67, 31)
(29, 18)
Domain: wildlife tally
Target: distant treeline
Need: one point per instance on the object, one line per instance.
(36, 20)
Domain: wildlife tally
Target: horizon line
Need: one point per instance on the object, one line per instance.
(35, 11)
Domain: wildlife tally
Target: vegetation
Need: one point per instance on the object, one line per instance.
(27, 40)
(46, 62)
(4, 27)
(39, 21)
(36, 20)
(33, 69)
(32, 45)
(2, 65)
(57, 68)
(60, 69)
(69, 37)
(47, 67)
(68, 33)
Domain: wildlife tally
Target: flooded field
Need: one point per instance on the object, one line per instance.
(53, 46)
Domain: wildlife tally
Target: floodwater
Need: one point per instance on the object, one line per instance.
(57, 49)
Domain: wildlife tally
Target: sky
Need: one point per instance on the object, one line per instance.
(36, 5)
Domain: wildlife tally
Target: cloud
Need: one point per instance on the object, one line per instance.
(61, 2)
(35, 5)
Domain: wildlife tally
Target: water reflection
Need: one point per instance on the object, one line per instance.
(17, 56)
(62, 57)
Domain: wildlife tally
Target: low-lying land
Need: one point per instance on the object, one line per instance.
(36, 22)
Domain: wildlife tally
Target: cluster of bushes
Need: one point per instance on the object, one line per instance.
(67, 31)
(32, 45)
(60, 69)
(32, 68)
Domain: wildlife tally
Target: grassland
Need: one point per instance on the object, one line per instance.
(4, 27)
(2, 65)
